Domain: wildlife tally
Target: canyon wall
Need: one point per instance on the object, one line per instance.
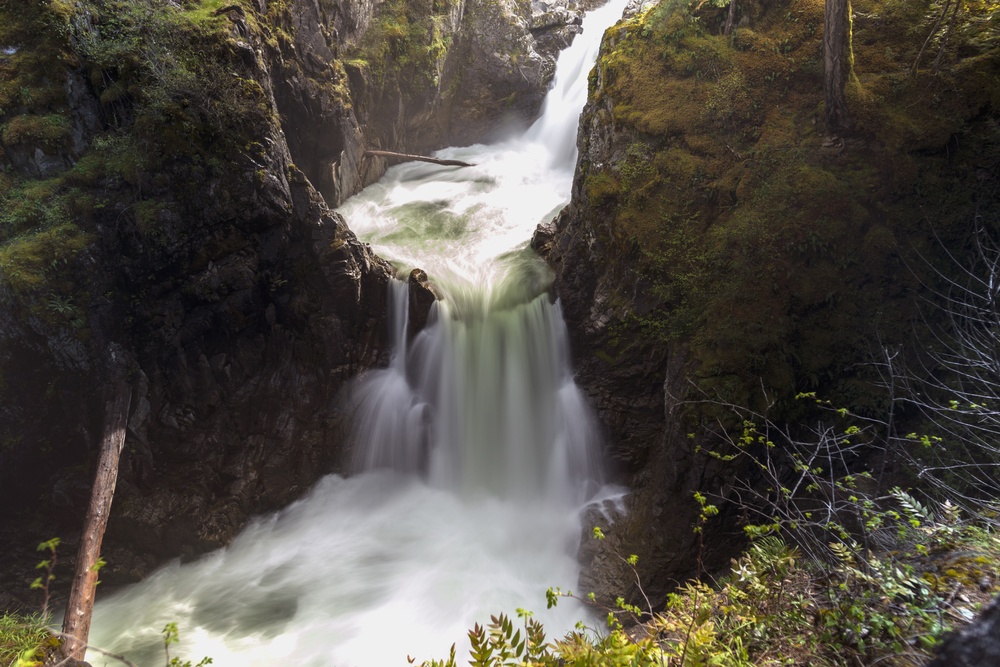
(169, 178)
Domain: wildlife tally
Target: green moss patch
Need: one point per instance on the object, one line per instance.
(771, 252)
(46, 130)
(29, 262)
(405, 44)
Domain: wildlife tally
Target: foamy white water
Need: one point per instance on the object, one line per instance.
(474, 451)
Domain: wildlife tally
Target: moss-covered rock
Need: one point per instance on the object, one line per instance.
(716, 229)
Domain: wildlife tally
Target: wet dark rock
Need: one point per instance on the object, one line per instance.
(543, 239)
(501, 78)
(600, 557)
(422, 297)
(976, 645)
(312, 96)
(554, 25)
(636, 384)
(247, 305)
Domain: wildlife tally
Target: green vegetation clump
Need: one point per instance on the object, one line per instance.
(26, 261)
(32, 78)
(178, 98)
(175, 78)
(25, 641)
(405, 45)
(777, 607)
(50, 130)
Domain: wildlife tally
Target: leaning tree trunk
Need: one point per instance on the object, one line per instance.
(80, 606)
(838, 62)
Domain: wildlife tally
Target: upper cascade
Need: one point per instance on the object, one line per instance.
(483, 400)
(557, 126)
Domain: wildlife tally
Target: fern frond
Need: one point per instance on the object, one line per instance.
(915, 512)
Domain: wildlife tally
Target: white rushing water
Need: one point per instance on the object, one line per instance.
(475, 452)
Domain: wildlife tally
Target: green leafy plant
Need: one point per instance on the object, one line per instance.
(171, 635)
(48, 565)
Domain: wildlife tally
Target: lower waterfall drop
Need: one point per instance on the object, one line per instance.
(474, 451)
(480, 404)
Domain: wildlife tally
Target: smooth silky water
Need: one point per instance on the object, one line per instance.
(474, 452)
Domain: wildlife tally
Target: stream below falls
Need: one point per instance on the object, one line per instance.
(475, 454)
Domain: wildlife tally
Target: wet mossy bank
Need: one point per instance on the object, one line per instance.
(723, 247)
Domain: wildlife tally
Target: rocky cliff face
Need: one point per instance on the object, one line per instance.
(722, 250)
(409, 77)
(175, 200)
(244, 302)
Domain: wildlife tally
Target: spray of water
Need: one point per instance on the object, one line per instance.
(474, 451)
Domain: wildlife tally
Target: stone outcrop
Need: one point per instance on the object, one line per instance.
(450, 74)
(636, 394)
(496, 77)
(554, 25)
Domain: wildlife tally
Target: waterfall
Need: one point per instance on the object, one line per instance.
(474, 451)
(480, 402)
(557, 125)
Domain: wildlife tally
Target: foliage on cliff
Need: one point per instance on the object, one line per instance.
(778, 256)
(172, 102)
(406, 45)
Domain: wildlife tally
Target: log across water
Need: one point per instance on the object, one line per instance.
(419, 158)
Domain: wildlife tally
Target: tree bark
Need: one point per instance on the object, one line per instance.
(76, 625)
(420, 158)
(838, 62)
(730, 17)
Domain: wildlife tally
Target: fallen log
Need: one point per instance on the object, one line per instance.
(419, 158)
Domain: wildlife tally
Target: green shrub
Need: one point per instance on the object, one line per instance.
(24, 640)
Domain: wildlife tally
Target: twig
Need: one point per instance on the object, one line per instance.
(920, 54)
(108, 654)
(694, 615)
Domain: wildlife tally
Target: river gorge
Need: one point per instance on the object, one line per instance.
(475, 454)
(373, 403)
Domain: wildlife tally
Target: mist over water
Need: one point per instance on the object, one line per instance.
(474, 451)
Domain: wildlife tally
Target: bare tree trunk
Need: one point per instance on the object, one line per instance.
(419, 158)
(76, 625)
(730, 17)
(838, 61)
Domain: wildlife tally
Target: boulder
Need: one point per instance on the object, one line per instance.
(976, 645)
